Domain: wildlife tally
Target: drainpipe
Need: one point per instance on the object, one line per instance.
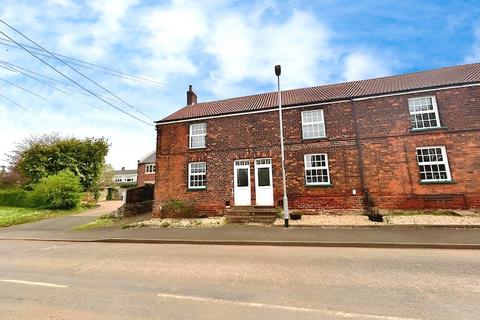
(359, 150)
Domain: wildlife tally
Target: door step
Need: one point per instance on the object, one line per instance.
(251, 214)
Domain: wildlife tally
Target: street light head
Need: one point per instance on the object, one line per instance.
(278, 70)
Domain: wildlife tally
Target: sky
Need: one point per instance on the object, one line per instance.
(223, 48)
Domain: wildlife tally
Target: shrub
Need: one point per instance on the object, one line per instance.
(179, 209)
(60, 191)
(14, 198)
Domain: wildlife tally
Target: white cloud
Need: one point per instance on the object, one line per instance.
(474, 55)
(245, 48)
(223, 48)
(360, 65)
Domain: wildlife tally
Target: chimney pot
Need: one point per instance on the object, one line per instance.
(191, 96)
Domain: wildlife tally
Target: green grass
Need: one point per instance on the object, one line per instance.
(422, 212)
(103, 221)
(10, 216)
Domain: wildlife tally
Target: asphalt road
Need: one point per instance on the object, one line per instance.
(47, 280)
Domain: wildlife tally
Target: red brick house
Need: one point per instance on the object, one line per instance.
(146, 170)
(409, 141)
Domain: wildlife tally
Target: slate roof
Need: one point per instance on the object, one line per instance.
(150, 158)
(127, 171)
(456, 75)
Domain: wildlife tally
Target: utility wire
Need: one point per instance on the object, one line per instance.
(91, 65)
(49, 85)
(22, 88)
(66, 84)
(80, 73)
(84, 88)
(18, 105)
(32, 77)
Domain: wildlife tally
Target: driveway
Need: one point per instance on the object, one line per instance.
(66, 223)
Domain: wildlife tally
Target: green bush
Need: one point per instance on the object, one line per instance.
(179, 209)
(14, 198)
(60, 191)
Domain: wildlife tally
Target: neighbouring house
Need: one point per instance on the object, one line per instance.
(125, 177)
(409, 141)
(146, 169)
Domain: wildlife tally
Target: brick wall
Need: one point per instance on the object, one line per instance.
(144, 177)
(386, 147)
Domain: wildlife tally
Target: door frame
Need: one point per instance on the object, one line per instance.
(267, 164)
(241, 164)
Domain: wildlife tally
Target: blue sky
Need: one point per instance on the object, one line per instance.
(223, 48)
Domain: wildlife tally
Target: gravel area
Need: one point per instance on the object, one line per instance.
(328, 220)
(213, 222)
(432, 220)
(361, 220)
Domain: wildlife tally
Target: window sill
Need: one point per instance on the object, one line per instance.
(196, 189)
(149, 172)
(313, 139)
(437, 182)
(428, 129)
(318, 185)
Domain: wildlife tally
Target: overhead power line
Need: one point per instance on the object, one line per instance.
(49, 85)
(80, 73)
(67, 77)
(10, 100)
(91, 65)
(22, 88)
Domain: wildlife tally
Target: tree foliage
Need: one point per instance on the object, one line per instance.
(60, 191)
(38, 157)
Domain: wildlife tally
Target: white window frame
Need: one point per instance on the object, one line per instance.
(150, 168)
(190, 174)
(313, 168)
(421, 112)
(443, 162)
(321, 123)
(191, 135)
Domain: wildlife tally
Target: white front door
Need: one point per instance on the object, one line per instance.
(241, 178)
(263, 182)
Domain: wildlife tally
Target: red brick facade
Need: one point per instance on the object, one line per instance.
(143, 177)
(369, 143)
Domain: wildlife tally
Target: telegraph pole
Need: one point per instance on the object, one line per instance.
(286, 215)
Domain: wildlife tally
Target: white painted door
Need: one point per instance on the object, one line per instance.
(263, 182)
(241, 177)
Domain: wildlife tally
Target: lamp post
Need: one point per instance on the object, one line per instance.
(286, 216)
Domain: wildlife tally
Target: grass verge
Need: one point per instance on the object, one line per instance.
(103, 221)
(10, 216)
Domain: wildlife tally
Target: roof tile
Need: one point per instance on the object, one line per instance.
(455, 75)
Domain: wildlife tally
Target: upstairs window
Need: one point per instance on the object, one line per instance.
(198, 131)
(316, 169)
(423, 113)
(197, 175)
(150, 168)
(313, 125)
(433, 164)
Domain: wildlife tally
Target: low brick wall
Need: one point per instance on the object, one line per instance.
(133, 209)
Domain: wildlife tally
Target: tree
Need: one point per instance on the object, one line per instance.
(106, 176)
(38, 157)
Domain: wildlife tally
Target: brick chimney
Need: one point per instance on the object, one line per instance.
(191, 96)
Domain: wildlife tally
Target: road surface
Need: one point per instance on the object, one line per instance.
(60, 280)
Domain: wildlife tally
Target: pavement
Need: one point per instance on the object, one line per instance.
(66, 223)
(61, 229)
(90, 281)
